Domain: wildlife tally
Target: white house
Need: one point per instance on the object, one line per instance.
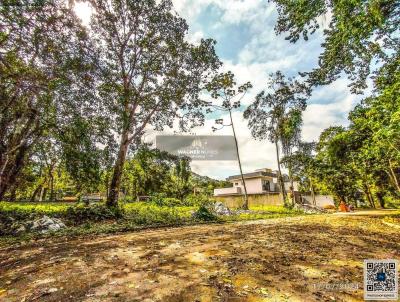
(259, 182)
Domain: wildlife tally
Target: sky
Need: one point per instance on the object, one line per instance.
(249, 47)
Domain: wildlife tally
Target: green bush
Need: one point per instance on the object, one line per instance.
(153, 214)
(392, 202)
(162, 201)
(95, 212)
(190, 201)
(171, 202)
(204, 213)
(27, 210)
(157, 198)
(196, 200)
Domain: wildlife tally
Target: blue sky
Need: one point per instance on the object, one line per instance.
(248, 46)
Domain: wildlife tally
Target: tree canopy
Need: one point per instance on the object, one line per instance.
(360, 39)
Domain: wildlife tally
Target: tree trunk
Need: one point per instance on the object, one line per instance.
(107, 179)
(3, 189)
(371, 203)
(369, 197)
(13, 194)
(312, 193)
(33, 197)
(51, 186)
(393, 177)
(280, 178)
(379, 195)
(3, 180)
(292, 187)
(41, 194)
(112, 200)
(246, 201)
(44, 194)
(9, 174)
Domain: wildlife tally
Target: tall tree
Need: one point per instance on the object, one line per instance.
(302, 165)
(359, 35)
(361, 42)
(150, 171)
(151, 76)
(42, 54)
(290, 139)
(334, 163)
(223, 88)
(275, 116)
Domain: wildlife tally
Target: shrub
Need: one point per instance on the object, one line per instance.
(171, 202)
(392, 202)
(157, 198)
(204, 213)
(196, 200)
(22, 211)
(153, 214)
(162, 201)
(95, 212)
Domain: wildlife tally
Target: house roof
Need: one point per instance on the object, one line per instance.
(252, 175)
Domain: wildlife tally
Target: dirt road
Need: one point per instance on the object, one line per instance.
(288, 259)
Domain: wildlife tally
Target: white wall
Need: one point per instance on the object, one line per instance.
(227, 191)
(288, 184)
(321, 200)
(253, 185)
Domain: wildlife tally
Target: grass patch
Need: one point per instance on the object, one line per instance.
(98, 219)
(269, 209)
(263, 212)
(393, 219)
(257, 216)
(147, 213)
(24, 210)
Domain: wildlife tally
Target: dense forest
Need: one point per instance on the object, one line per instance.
(76, 100)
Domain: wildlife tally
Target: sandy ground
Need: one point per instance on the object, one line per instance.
(289, 259)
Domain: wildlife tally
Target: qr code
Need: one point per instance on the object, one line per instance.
(380, 280)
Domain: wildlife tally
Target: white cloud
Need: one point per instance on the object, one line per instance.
(319, 116)
(262, 54)
(195, 37)
(84, 11)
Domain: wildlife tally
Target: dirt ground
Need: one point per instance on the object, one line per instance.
(307, 258)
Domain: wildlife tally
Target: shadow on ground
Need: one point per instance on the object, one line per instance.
(289, 259)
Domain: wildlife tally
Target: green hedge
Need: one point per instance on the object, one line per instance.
(27, 210)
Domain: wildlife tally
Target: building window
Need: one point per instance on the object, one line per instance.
(236, 183)
(266, 185)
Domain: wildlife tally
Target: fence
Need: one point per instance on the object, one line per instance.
(236, 201)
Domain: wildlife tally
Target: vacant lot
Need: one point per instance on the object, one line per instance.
(285, 259)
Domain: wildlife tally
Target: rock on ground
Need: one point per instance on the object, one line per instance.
(265, 260)
(309, 209)
(221, 209)
(42, 225)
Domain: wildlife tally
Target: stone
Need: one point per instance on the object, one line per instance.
(20, 229)
(46, 221)
(308, 209)
(241, 211)
(52, 290)
(34, 225)
(47, 224)
(54, 227)
(221, 209)
(59, 222)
